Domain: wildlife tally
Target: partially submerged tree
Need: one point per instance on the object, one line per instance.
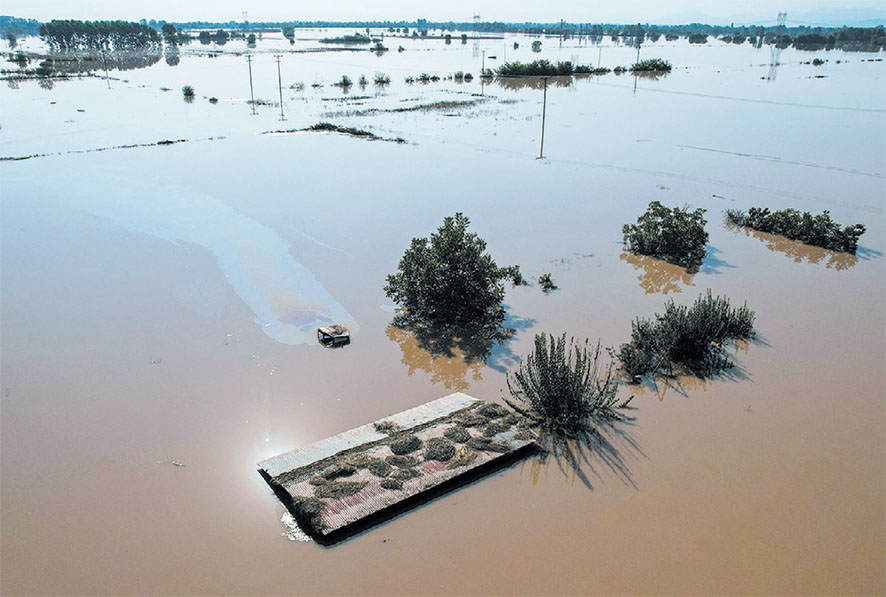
(674, 235)
(448, 278)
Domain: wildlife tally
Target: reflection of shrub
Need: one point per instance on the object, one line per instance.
(819, 231)
(686, 338)
(405, 445)
(562, 386)
(448, 278)
(439, 448)
(675, 235)
(469, 77)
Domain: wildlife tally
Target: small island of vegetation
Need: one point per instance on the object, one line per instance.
(672, 234)
(816, 230)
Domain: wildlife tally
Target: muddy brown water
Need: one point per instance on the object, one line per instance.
(158, 305)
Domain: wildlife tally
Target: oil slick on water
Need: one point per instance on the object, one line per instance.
(288, 301)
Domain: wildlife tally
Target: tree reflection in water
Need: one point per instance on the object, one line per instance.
(516, 83)
(448, 352)
(657, 275)
(797, 250)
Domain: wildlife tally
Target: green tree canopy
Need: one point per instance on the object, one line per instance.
(448, 279)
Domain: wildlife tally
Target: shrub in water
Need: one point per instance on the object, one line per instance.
(562, 386)
(513, 272)
(674, 235)
(188, 91)
(686, 339)
(656, 65)
(546, 283)
(819, 230)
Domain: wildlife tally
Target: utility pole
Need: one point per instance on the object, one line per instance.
(251, 94)
(280, 86)
(544, 105)
(483, 68)
(107, 74)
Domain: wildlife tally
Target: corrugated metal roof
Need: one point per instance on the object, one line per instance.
(427, 421)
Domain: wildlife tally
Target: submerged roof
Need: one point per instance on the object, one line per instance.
(348, 477)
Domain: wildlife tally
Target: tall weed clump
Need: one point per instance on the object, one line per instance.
(674, 235)
(563, 386)
(818, 230)
(686, 339)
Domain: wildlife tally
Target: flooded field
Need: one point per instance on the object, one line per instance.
(159, 308)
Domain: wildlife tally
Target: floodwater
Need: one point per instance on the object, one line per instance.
(158, 304)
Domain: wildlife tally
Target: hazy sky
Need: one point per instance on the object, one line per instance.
(623, 11)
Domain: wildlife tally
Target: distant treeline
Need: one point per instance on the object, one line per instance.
(91, 35)
(102, 33)
(18, 26)
(802, 37)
